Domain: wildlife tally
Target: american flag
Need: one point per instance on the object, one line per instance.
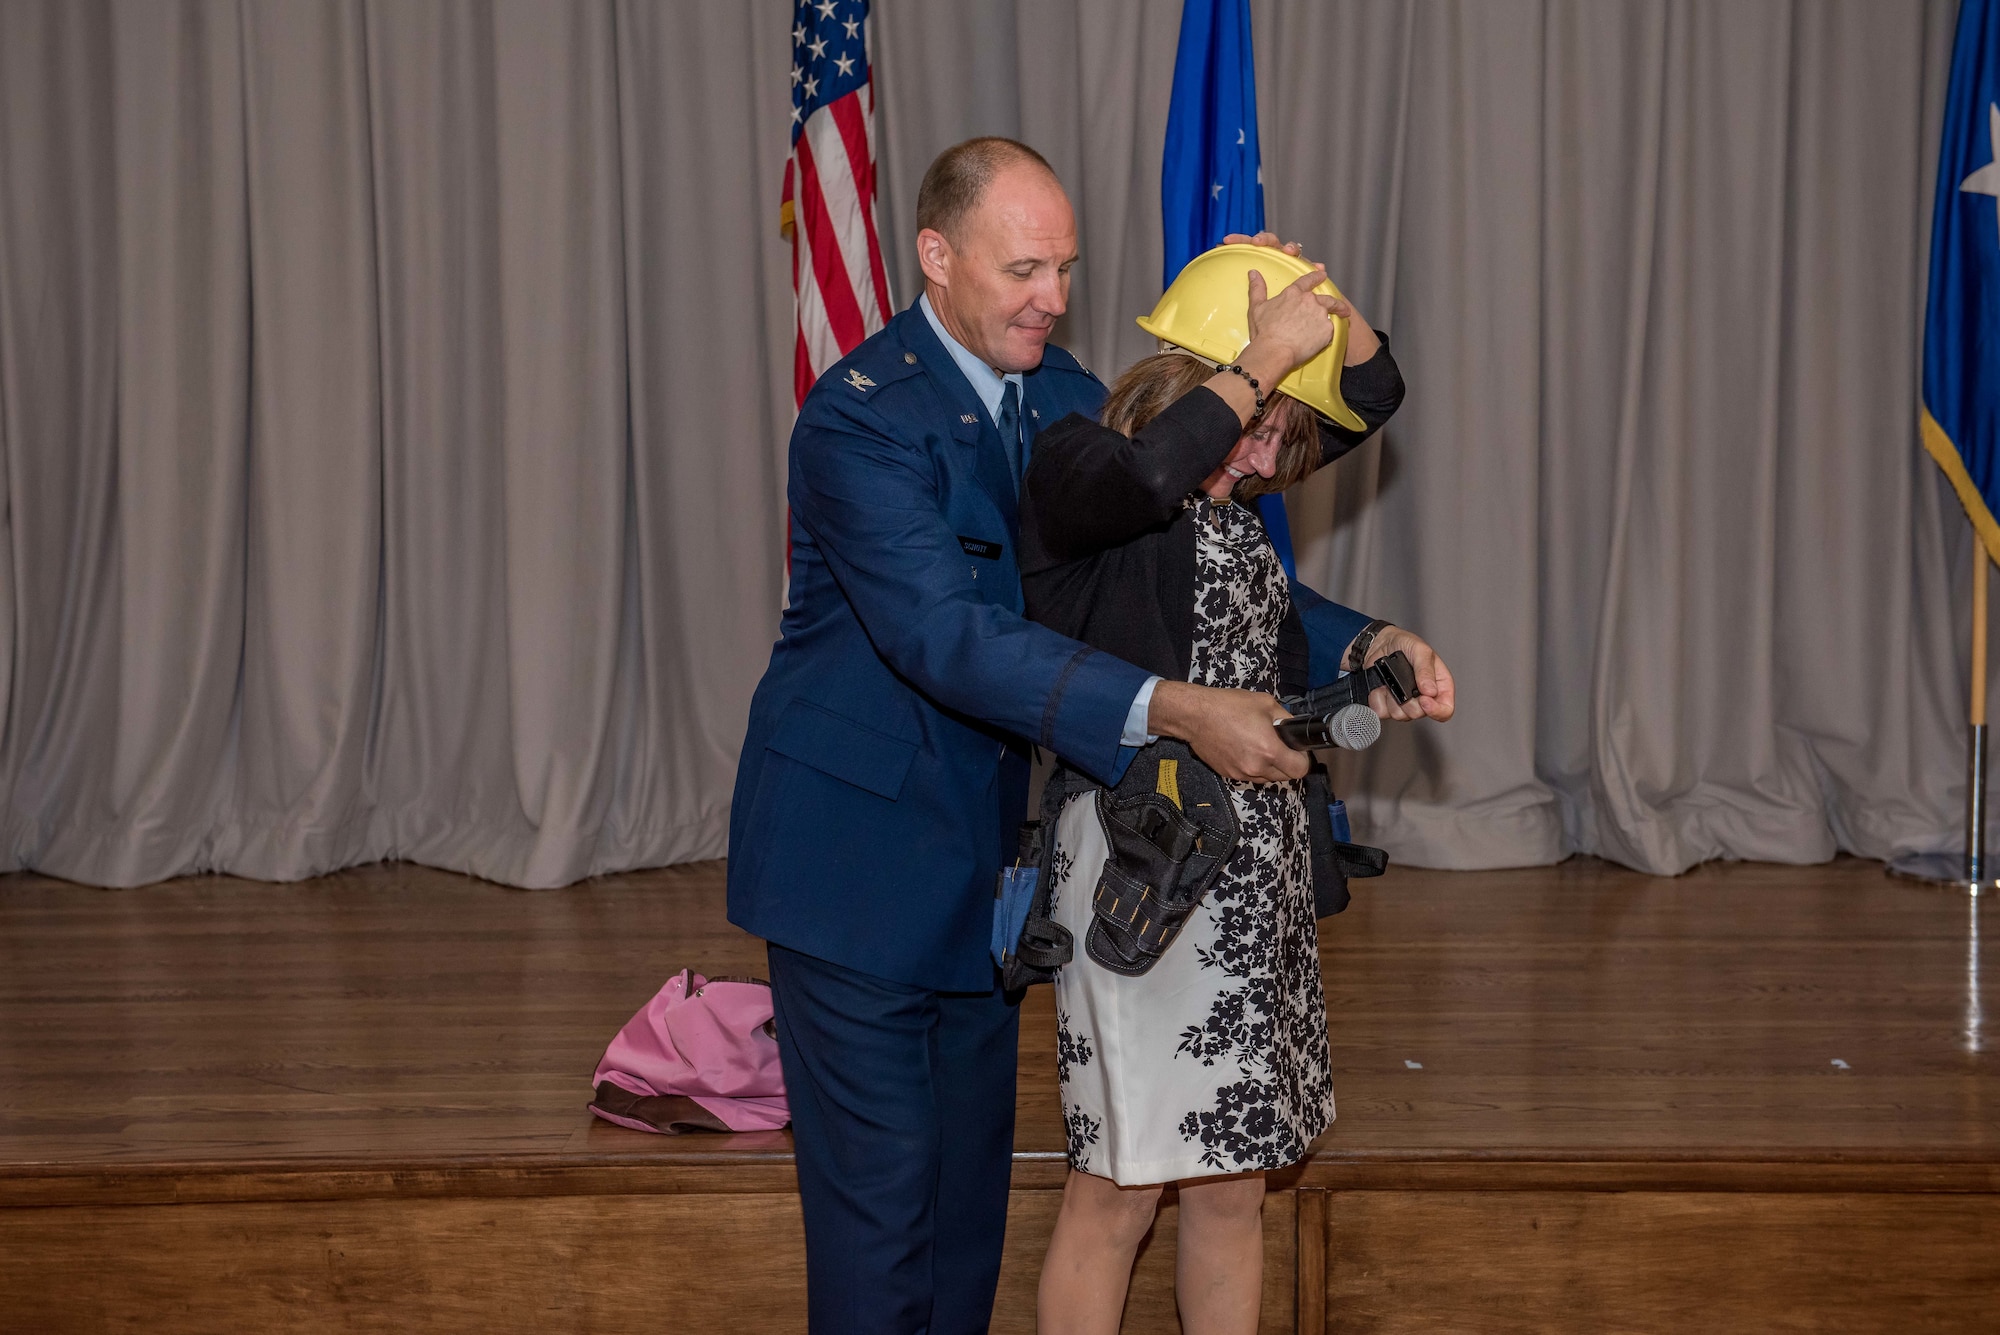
(829, 202)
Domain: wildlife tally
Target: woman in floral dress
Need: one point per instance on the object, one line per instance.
(1211, 1068)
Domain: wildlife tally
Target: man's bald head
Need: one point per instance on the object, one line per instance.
(996, 238)
(958, 177)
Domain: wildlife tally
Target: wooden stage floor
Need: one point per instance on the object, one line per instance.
(1569, 1098)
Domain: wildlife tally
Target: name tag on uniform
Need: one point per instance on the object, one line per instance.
(980, 547)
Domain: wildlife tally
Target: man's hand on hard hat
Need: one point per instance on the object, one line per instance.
(1362, 341)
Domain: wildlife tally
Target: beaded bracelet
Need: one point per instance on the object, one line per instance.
(1256, 392)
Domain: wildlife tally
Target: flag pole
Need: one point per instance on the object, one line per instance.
(1975, 762)
(1960, 365)
(1970, 872)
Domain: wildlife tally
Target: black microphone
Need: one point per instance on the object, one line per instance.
(1351, 728)
(1338, 715)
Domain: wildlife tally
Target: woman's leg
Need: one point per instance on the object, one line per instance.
(1220, 1265)
(1089, 1264)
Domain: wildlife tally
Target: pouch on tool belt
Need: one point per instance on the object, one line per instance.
(1171, 827)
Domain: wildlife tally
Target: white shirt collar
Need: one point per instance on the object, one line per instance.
(988, 383)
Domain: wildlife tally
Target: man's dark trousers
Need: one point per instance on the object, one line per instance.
(904, 1142)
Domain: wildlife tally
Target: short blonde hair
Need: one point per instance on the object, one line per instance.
(1151, 384)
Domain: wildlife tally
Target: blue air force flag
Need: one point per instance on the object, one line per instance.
(1961, 395)
(1211, 183)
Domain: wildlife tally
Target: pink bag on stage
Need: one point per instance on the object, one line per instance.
(702, 1055)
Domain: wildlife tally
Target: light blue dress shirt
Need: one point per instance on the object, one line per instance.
(987, 382)
(990, 385)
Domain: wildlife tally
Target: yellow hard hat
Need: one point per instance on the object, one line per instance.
(1206, 310)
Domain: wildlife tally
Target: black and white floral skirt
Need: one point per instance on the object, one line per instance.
(1215, 1060)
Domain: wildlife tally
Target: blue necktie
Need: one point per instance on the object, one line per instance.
(1010, 431)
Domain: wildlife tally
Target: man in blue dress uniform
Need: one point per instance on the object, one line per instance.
(886, 763)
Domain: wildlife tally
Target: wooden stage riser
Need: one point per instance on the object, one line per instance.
(728, 1175)
(1391, 1261)
(1571, 1099)
(1531, 1263)
(718, 1265)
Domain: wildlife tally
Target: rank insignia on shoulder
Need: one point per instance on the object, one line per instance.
(858, 380)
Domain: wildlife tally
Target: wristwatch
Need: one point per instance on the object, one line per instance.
(1357, 652)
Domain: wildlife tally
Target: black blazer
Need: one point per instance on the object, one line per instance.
(1107, 548)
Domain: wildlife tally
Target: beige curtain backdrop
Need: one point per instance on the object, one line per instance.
(393, 399)
(392, 410)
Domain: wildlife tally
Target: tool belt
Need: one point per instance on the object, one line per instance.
(1171, 827)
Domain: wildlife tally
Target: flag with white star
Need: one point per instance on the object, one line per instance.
(828, 211)
(1961, 394)
(1211, 181)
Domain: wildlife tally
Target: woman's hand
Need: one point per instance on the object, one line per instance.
(1436, 698)
(1362, 341)
(1266, 239)
(1287, 330)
